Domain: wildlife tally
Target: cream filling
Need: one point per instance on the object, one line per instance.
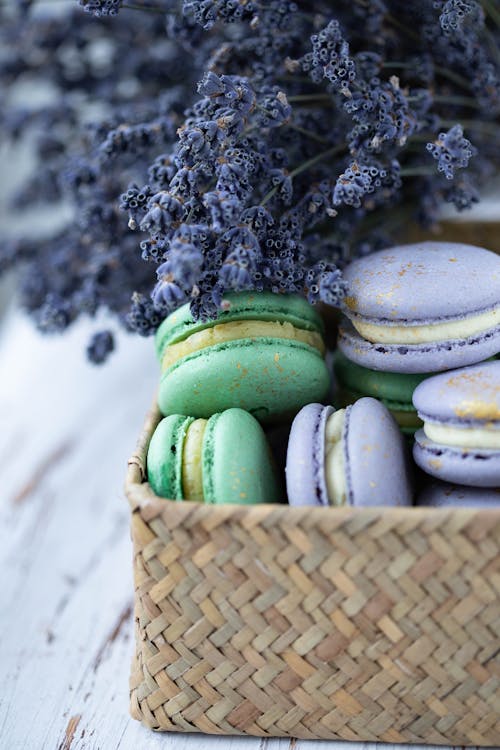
(334, 459)
(245, 329)
(192, 467)
(463, 437)
(428, 333)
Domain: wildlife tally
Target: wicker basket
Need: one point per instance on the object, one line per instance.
(353, 624)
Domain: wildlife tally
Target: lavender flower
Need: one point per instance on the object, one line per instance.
(353, 184)
(359, 181)
(144, 316)
(100, 347)
(325, 283)
(101, 7)
(452, 151)
(457, 15)
(238, 269)
(207, 12)
(330, 58)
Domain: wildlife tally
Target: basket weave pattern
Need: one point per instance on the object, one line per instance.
(356, 624)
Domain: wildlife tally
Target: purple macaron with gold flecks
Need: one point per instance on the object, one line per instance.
(353, 456)
(425, 307)
(460, 439)
(443, 495)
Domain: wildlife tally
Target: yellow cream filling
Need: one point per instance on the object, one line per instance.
(464, 437)
(334, 459)
(428, 333)
(192, 468)
(244, 329)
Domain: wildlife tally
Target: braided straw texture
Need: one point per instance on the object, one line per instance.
(354, 624)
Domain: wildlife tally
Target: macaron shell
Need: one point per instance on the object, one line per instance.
(305, 462)
(442, 494)
(406, 417)
(468, 395)
(271, 378)
(393, 387)
(237, 463)
(164, 460)
(265, 306)
(423, 282)
(475, 468)
(417, 358)
(375, 459)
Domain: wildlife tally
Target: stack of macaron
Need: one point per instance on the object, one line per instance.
(258, 362)
(412, 311)
(460, 438)
(232, 387)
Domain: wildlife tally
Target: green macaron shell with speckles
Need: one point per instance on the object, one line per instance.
(236, 460)
(164, 461)
(272, 378)
(393, 389)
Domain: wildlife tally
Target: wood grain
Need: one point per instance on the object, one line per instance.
(65, 553)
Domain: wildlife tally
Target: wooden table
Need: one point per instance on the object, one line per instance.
(65, 552)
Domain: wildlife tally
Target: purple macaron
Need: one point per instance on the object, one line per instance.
(353, 456)
(425, 307)
(460, 439)
(442, 495)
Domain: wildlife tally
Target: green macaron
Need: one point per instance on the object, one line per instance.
(394, 390)
(263, 353)
(225, 459)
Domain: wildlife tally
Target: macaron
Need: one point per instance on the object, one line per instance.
(442, 495)
(460, 439)
(393, 389)
(225, 459)
(425, 307)
(352, 456)
(263, 353)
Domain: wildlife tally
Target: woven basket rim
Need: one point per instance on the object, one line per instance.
(140, 495)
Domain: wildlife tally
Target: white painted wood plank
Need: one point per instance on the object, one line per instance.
(65, 553)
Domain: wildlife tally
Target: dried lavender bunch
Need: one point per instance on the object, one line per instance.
(84, 162)
(251, 144)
